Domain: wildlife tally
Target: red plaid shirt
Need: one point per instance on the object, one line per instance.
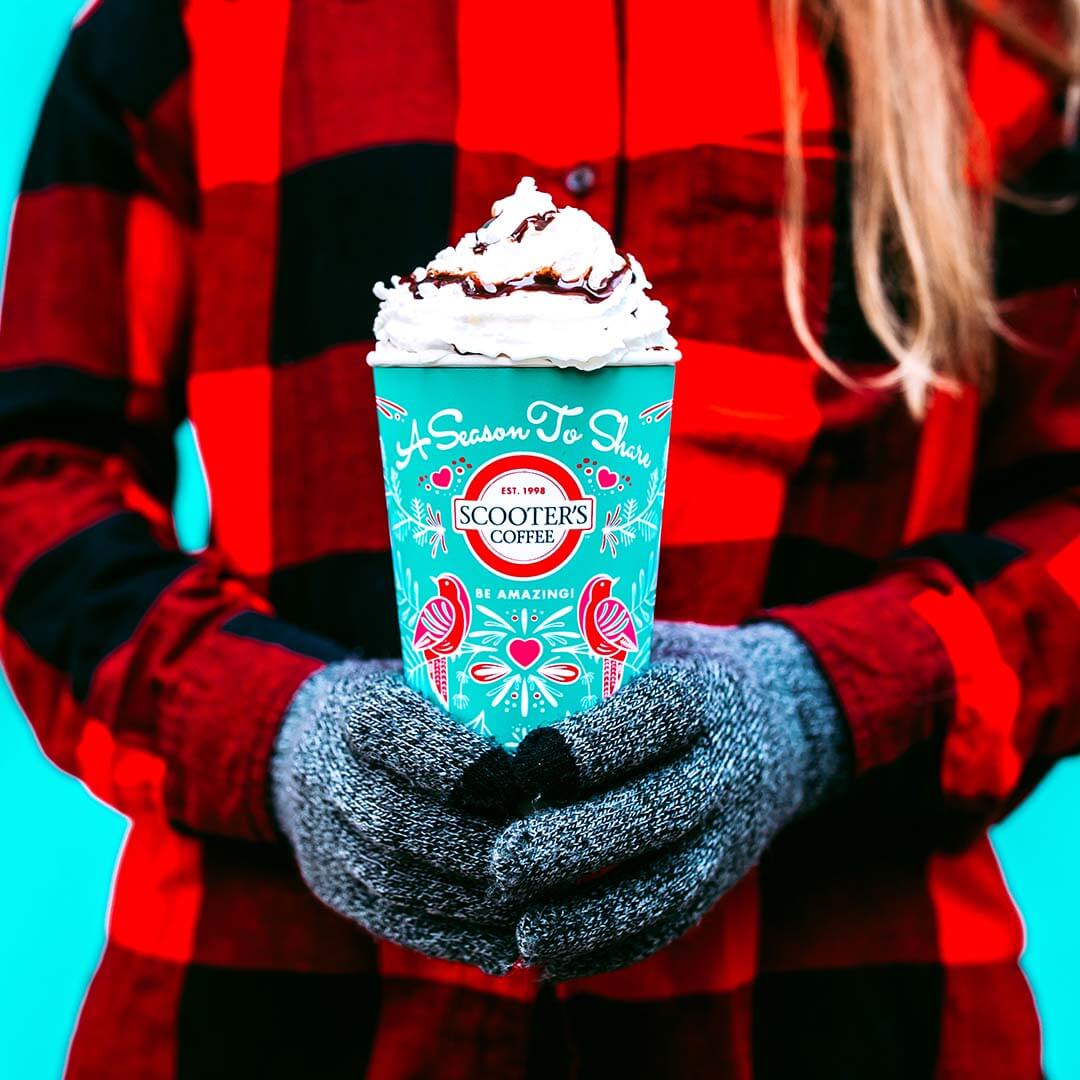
(211, 193)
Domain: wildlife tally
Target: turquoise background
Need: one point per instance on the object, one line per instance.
(534, 402)
(60, 844)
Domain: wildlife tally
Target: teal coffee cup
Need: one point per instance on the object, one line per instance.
(524, 507)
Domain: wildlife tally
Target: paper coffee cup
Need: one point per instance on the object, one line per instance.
(524, 507)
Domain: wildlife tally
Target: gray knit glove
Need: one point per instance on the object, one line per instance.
(674, 787)
(392, 810)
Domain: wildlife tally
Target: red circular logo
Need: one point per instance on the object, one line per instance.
(523, 515)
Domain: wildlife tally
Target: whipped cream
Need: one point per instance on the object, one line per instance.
(535, 285)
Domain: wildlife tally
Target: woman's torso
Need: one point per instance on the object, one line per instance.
(365, 136)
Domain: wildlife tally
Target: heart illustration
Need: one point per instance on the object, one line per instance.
(525, 651)
(442, 478)
(604, 477)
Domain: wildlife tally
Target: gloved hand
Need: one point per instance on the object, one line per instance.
(392, 810)
(674, 787)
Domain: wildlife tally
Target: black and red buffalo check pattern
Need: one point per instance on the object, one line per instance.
(213, 188)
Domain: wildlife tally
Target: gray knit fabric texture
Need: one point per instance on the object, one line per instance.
(683, 779)
(785, 671)
(367, 784)
(651, 805)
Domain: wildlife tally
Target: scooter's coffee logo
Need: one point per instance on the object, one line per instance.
(523, 515)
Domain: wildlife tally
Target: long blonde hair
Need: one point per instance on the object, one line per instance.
(919, 197)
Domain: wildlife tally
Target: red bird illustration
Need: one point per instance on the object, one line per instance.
(441, 627)
(607, 628)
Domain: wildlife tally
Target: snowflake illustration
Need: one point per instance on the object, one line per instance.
(523, 660)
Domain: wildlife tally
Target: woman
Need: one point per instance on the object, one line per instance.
(791, 812)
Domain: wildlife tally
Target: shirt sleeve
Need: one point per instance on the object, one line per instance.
(965, 650)
(140, 667)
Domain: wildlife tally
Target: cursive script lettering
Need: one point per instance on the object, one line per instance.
(540, 412)
(610, 426)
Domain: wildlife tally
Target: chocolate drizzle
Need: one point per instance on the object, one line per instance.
(544, 280)
(539, 223)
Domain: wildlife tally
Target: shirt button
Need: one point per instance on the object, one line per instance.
(580, 180)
